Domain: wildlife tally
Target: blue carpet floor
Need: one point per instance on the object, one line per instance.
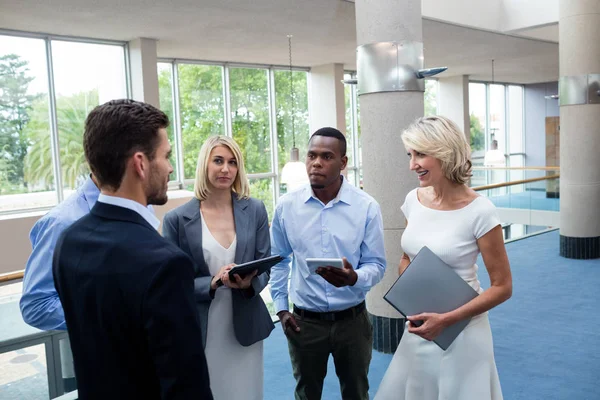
(546, 337)
(531, 199)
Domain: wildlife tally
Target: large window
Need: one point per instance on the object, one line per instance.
(496, 125)
(201, 109)
(250, 103)
(85, 75)
(42, 116)
(26, 175)
(250, 117)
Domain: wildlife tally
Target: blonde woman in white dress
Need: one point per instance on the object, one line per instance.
(221, 226)
(457, 224)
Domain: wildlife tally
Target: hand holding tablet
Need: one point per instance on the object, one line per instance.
(314, 263)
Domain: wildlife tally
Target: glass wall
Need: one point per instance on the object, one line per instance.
(85, 75)
(497, 132)
(42, 115)
(252, 104)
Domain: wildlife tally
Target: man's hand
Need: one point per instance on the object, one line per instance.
(339, 277)
(288, 321)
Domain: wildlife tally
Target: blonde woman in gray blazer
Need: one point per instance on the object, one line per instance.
(223, 226)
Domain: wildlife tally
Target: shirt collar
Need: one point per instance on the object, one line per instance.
(132, 205)
(343, 195)
(90, 191)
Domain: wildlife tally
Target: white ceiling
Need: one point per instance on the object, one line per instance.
(254, 31)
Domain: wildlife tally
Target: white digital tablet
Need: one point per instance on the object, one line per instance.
(314, 263)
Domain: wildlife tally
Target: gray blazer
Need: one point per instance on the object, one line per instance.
(183, 226)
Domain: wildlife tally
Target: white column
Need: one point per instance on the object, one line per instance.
(453, 101)
(144, 74)
(579, 52)
(327, 107)
(386, 173)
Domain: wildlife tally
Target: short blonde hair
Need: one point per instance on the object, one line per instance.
(241, 186)
(441, 138)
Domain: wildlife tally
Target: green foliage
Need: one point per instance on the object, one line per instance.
(283, 102)
(166, 105)
(477, 134)
(15, 105)
(250, 117)
(201, 108)
(202, 115)
(71, 113)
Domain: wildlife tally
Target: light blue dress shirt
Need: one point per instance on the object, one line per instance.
(303, 227)
(40, 305)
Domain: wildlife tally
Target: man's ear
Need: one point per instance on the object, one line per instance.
(139, 162)
(344, 162)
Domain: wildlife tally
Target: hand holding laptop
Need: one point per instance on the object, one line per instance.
(427, 325)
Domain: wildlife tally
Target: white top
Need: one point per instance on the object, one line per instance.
(451, 235)
(235, 371)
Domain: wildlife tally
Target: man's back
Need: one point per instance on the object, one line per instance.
(128, 300)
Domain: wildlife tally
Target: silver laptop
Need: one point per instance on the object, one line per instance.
(429, 285)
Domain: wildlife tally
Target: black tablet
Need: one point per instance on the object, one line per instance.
(262, 265)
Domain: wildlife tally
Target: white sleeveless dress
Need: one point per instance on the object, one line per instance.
(420, 370)
(236, 372)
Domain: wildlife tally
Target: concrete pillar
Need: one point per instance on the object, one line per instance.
(327, 107)
(579, 52)
(144, 74)
(453, 101)
(386, 173)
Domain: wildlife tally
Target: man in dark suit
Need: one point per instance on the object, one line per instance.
(127, 293)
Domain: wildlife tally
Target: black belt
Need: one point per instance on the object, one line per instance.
(348, 313)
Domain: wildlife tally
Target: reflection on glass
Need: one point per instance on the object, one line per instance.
(477, 111)
(348, 93)
(165, 96)
(497, 117)
(250, 116)
(85, 75)
(430, 97)
(262, 189)
(515, 119)
(201, 109)
(283, 103)
(26, 169)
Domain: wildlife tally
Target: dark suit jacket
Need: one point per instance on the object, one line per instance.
(183, 226)
(128, 299)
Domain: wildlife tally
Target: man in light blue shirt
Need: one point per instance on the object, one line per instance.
(328, 219)
(40, 305)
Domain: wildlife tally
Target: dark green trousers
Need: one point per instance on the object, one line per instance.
(350, 342)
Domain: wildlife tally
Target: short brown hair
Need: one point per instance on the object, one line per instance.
(114, 131)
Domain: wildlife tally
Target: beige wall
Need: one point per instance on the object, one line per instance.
(14, 232)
